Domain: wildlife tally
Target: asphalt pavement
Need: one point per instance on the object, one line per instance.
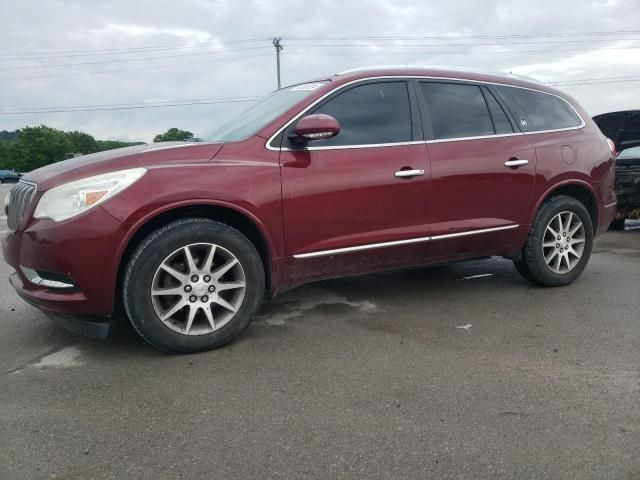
(463, 371)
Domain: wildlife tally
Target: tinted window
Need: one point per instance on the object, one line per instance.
(500, 121)
(370, 114)
(456, 110)
(538, 111)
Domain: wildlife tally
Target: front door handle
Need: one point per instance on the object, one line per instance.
(409, 173)
(515, 163)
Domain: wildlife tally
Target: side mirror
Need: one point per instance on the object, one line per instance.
(316, 127)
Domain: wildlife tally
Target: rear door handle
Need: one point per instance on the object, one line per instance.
(515, 163)
(409, 173)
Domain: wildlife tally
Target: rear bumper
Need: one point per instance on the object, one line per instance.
(606, 215)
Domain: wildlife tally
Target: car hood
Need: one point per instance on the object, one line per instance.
(622, 127)
(157, 154)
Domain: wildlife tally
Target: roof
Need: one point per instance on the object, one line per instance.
(441, 72)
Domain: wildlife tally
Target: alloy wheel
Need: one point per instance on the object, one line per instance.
(563, 242)
(198, 288)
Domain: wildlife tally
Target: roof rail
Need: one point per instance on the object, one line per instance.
(440, 67)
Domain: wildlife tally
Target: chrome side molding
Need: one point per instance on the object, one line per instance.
(372, 246)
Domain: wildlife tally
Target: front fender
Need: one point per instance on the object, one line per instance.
(252, 191)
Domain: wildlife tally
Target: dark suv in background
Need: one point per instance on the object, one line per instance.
(623, 128)
(359, 172)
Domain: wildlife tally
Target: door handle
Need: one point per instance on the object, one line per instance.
(515, 163)
(409, 173)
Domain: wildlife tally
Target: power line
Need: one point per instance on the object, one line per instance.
(170, 103)
(453, 37)
(245, 99)
(146, 67)
(594, 81)
(129, 49)
(431, 52)
(125, 50)
(461, 52)
(120, 60)
(57, 107)
(471, 44)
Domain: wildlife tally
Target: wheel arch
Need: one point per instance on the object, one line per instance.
(579, 190)
(234, 217)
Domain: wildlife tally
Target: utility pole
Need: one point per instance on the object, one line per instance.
(278, 47)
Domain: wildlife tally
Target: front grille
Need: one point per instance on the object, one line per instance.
(19, 200)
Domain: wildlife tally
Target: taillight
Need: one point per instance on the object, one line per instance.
(612, 147)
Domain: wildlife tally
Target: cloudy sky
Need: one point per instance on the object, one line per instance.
(79, 55)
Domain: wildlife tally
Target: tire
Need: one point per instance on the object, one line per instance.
(182, 331)
(617, 224)
(533, 265)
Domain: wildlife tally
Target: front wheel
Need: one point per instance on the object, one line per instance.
(559, 244)
(193, 285)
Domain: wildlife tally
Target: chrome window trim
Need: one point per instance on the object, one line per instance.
(440, 140)
(372, 246)
(477, 137)
(366, 145)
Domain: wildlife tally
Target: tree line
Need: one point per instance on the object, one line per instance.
(29, 148)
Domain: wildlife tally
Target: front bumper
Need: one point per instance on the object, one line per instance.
(97, 327)
(84, 248)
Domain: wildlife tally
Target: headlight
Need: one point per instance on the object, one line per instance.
(73, 198)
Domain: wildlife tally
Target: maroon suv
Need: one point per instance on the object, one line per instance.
(364, 171)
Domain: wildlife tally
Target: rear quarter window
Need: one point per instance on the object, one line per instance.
(536, 111)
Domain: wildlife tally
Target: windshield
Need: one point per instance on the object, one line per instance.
(260, 114)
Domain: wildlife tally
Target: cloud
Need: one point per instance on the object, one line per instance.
(242, 68)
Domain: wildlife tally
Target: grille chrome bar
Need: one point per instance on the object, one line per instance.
(20, 198)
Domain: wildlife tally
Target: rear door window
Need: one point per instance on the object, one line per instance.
(456, 110)
(536, 111)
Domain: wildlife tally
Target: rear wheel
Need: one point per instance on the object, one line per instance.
(559, 244)
(193, 285)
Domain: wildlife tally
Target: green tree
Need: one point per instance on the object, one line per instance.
(34, 147)
(173, 135)
(6, 160)
(82, 142)
(40, 146)
(111, 144)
